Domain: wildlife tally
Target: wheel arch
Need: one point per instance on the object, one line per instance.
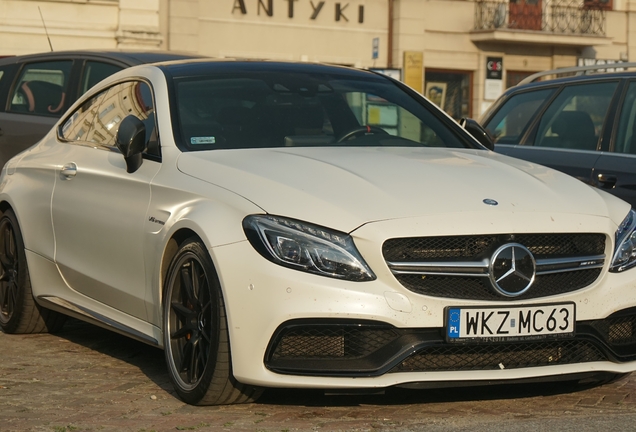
(5, 205)
(172, 246)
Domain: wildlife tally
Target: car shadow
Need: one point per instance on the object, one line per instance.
(150, 361)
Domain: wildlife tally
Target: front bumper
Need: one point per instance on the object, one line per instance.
(263, 300)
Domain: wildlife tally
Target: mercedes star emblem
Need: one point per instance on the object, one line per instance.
(512, 269)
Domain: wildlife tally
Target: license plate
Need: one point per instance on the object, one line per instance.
(510, 323)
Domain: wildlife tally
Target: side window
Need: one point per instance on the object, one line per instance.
(626, 134)
(79, 124)
(130, 98)
(42, 88)
(575, 119)
(512, 119)
(94, 72)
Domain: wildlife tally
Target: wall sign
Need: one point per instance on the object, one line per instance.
(414, 70)
(493, 87)
(266, 7)
(494, 68)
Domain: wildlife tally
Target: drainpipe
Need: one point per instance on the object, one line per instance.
(389, 62)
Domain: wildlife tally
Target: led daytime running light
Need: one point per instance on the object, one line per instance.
(625, 251)
(306, 247)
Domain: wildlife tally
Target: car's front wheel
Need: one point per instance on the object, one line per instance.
(19, 312)
(196, 340)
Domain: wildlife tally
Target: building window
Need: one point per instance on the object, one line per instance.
(515, 77)
(450, 90)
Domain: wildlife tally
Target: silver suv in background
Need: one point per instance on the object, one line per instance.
(583, 125)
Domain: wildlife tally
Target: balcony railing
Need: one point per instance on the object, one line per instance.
(560, 17)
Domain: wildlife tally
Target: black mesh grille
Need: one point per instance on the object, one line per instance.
(617, 331)
(422, 249)
(332, 342)
(497, 356)
(477, 248)
(479, 288)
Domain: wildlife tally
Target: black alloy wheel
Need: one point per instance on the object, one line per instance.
(19, 312)
(196, 340)
(9, 289)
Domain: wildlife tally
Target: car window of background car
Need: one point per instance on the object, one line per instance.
(101, 115)
(626, 132)
(287, 110)
(512, 119)
(42, 88)
(574, 120)
(94, 72)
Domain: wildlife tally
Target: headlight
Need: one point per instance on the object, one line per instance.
(306, 247)
(625, 252)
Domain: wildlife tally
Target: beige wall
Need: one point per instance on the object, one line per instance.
(439, 29)
(219, 28)
(92, 24)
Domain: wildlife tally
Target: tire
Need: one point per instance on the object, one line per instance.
(195, 334)
(19, 312)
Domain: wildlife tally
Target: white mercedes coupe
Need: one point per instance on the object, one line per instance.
(300, 225)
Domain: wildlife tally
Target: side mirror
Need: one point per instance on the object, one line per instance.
(478, 132)
(131, 142)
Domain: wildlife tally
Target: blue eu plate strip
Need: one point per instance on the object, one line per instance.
(452, 327)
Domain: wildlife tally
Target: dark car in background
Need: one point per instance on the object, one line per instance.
(583, 125)
(35, 90)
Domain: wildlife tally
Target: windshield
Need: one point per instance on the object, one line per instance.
(267, 109)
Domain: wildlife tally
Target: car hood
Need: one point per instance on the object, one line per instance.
(346, 187)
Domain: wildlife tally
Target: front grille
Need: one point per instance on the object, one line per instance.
(471, 288)
(502, 356)
(417, 249)
(408, 258)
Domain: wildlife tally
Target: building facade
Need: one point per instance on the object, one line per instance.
(460, 53)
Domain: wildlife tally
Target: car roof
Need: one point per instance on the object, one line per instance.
(570, 79)
(186, 68)
(129, 58)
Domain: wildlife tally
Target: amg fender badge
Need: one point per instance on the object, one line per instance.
(152, 219)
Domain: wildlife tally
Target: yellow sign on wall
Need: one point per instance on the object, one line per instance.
(414, 70)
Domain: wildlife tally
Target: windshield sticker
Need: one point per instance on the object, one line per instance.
(202, 140)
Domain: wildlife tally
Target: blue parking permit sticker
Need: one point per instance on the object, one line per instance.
(453, 326)
(202, 140)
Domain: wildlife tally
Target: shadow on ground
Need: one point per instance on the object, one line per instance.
(150, 361)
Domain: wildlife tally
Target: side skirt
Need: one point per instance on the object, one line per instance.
(76, 311)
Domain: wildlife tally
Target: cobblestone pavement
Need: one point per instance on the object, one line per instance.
(86, 378)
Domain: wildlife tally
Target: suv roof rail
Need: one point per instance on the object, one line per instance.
(577, 70)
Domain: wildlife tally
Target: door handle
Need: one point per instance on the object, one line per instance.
(69, 170)
(607, 181)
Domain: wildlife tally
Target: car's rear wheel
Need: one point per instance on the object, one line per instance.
(196, 340)
(19, 312)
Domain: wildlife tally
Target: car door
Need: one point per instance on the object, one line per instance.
(615, 171)
(37, 98)
(567, 134)
(98, 208)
